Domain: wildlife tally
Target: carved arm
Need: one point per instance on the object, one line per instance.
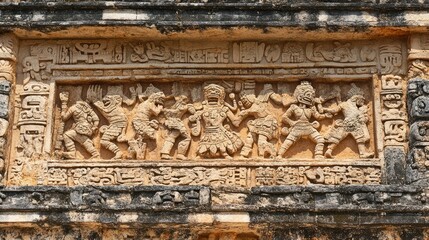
(286, 118)
(132, 100)
(65, 113)
(320, 116)
(234, 106)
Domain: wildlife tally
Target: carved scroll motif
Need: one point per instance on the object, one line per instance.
(214, 176)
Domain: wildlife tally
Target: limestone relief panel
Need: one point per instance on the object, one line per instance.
(247, 113)
(219, 120)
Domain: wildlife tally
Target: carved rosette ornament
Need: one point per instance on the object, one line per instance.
(8, 51)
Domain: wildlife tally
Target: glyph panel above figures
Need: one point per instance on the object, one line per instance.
(248, 113)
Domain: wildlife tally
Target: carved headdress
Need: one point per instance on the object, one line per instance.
(151, 92)
(214, 91)
(114, 90)
(354, 91)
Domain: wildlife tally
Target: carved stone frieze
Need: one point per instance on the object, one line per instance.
(75, 173)
(89, 101)
(224, 120)
(281, 60)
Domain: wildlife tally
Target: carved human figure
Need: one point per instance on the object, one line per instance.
(298, 117)
(85, 124)
(110, 105)
(151, 105)
(217, 140)
(355, 121)
(264, 127)
(176, 128)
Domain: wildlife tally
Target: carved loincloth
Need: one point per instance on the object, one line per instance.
(266, 126)
(219, 140)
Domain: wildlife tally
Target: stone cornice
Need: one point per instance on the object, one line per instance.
(310, 15)
(371, 205)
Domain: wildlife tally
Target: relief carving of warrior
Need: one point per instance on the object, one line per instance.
(151, 105)
(265, 126)
(176, 128)
(298, 117)
(354, 123)
(110, 106)
(85, 124)
(217, 139)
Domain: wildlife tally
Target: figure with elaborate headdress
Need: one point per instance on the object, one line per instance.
(354, 123)
(298, 117)
(85, 124)
(217, 139)
(110, 106)
(264, 126)
(176, 127)
(151, 105)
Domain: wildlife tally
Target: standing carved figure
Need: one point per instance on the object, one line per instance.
(110, 105)
(176, 128)
(355, 123)
(151, 105)
(265, 126)
(217, 140)
(85, 124)
(303, 111)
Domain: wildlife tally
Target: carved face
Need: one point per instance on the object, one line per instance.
(214, 94)
(112, 100)
(247, 100)
(360, 100)
(157, 102)
(304, 93)
(182, 99)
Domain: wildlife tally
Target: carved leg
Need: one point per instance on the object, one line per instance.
(284, 147)
(363, 152)
(226, 155)
(248, 144)
(320, 144)
(328, 153)
(183, 148)
(111, 147)
(89, 146)
(318, 150)
(168, 144)
(264, 146)
(122, 137)
(166, 148)
(69, 144)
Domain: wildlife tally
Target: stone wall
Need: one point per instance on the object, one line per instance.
(214, 120)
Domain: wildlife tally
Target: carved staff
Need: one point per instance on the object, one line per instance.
(64, 97)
